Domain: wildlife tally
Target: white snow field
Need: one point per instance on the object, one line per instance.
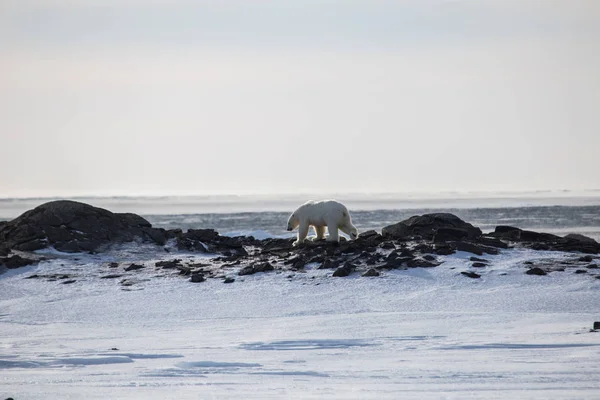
(412, 334)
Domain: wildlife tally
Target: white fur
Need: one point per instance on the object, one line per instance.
(321, 214)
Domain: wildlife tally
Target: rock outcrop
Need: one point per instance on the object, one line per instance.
(439, 226)
(72, 227)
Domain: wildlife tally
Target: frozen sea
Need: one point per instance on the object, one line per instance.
(412, 334)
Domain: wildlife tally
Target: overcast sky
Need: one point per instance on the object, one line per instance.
(221, 96)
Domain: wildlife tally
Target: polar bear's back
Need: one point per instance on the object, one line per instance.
(320, 212)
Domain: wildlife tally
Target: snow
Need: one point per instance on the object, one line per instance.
(417, 333)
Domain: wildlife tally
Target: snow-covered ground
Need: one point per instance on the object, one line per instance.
(418, 333)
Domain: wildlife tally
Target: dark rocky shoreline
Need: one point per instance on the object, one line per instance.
(419, 241)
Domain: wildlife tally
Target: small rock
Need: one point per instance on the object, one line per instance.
(169, 264)
(592, 266)
(113, 265)
(345, 270)
(419, 262)
(479, 265)
(196, 278)
(371, 272)
(470, 274)
(111, 276)
(228, 280)
(528, 262)
(586, 259)
(134, 267)
(477, 259)
(329, 264)
(581, 271)
(253, 269)
(429, 257)
(535, 271)
(68, 281)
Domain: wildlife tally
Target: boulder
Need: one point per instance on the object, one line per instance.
(426, 226)
(72, 227)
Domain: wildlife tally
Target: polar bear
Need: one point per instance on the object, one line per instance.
(320, 214)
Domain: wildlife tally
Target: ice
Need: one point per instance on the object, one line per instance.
(418, 333)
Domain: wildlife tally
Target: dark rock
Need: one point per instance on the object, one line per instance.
(581, 238)
(134, 267)
(469, 248)
(16, 261)
(203, 235)
(371, 272)
(528, 262)
(371, 238)
(535, 271)
(479, 265)
(344, 270)
(253, 269)
(429, 257)
(113, 265)
(169, 264)
(421, 263)
(228, 280)
(111, 276)
(71, 226)
(586, 259)
(197, 278)
(592, 266)
(443, 250)
(67, 282)
(427, 225)
(185, 270)
(581, 271)
(387, 245)
(448, 234)
(492, 242)
(396, 263)
(329, 264)
(477, 259)
(470, 274)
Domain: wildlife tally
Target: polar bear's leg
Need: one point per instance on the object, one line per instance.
(333, 232)
(320, 230)
(302, 232)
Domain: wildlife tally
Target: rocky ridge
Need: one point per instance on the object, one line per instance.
(419, 241)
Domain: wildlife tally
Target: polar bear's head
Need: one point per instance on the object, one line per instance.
(353, 233)
(293, 222)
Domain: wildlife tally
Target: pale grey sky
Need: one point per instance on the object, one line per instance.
(230, 96)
